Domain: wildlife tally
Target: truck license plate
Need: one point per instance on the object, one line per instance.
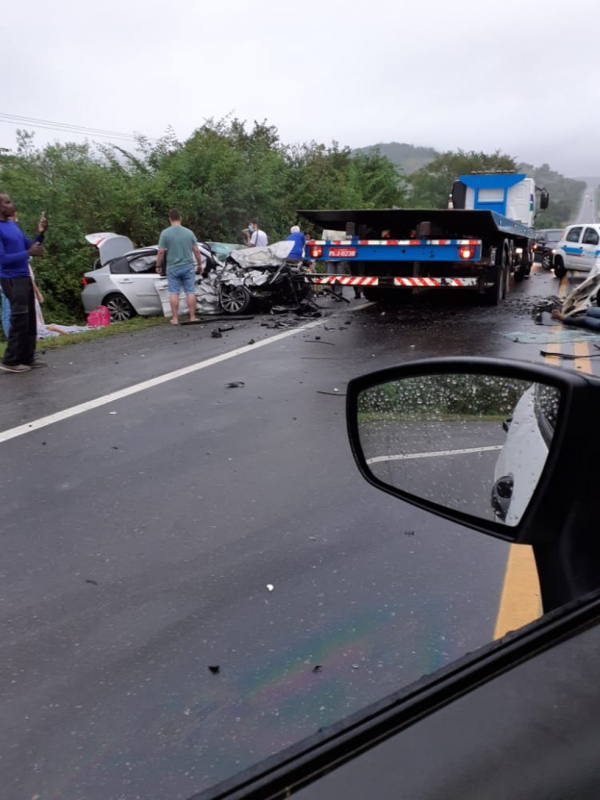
(342, 252)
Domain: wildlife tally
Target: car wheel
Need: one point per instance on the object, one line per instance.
(119, 307)
(235, 299)
(546, 261)
(559, 267)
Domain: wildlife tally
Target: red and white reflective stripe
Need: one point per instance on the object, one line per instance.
(395, 242)
(346, 280)
(433, 282)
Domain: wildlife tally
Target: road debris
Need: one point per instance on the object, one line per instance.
(335, 393)
(235, 385)
(318, 668)
(270, 587)
(216, 335)
(567, 356)
(215, 670)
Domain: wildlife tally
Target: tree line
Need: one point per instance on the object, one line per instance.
(225, 173)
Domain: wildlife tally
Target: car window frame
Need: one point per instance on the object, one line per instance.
(590, 229)
(570, 233)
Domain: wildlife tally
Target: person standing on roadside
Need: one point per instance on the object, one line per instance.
(254, 236)
(299, 239)
(17, 287)
(39, 297)
(181, 247)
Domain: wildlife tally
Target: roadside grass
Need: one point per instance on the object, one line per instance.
(114, 329)
(434, 416)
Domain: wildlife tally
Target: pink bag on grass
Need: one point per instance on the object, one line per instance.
(99, 317)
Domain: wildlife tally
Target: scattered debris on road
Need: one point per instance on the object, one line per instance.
(235, 385)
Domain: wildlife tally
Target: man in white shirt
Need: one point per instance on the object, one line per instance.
(254, 236)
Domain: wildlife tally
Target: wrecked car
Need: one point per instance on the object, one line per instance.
(257, 275)
(124, 279)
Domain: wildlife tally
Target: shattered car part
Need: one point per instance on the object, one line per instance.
(583, 296)
(262, 273)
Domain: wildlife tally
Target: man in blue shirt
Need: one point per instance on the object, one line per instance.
(15, 278)
(299, 239)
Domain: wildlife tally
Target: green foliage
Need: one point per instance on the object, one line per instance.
(431, 185)
(436, 397)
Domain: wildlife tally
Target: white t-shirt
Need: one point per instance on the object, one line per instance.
(259, 239)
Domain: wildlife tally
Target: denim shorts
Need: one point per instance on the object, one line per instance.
(182, 278)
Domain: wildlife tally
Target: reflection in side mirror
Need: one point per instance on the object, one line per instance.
(468, 442)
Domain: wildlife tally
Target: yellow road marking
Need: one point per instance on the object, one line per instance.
(583, 364)
(520, 599)
(562, 287)
(520, 602)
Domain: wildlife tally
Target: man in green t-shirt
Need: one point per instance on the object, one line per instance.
(181, 248)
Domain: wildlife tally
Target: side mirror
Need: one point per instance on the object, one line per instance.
(544, 200)
(479, 441)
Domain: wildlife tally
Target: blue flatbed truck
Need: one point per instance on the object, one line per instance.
(478, 243)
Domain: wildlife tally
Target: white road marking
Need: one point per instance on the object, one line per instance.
(67, 413)
(436, 454)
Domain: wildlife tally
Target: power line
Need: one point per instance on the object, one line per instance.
(64, 127)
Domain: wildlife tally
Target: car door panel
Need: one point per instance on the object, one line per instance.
(573, 248)
(591, 246)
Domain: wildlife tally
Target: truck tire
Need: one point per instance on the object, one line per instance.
(524, 267)
(496, 293)
(372, 294)
(559, 267)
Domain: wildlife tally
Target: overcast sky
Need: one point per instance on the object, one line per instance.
(522, 76)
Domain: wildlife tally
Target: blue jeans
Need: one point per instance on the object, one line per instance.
(591, 320)
(5, 314)
(182, 277)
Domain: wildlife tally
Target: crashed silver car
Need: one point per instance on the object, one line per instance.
(124, 279)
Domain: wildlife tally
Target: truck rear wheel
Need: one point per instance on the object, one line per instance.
(497, 292)
(524, 267)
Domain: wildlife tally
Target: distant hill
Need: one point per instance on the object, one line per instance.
(406, 156)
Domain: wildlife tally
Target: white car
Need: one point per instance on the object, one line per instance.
(124, 279)
(523, 456)
(577, 250)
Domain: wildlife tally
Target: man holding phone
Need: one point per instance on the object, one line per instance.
(15, 278)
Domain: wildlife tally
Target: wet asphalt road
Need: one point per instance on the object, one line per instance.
(192, 526)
